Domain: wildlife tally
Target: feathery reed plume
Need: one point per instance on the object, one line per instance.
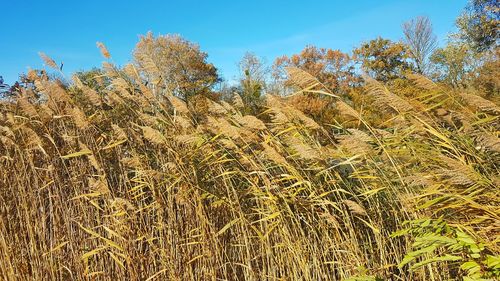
(178, 104)
(356, 141)
(76, 81)
(480, 103)
(148, 119)
(7, 142)
(489, 141)
(422, 82)
(222, 126)
(183, 122)
(346, 110)
(152, 135)
(301, 78)
(88, 92)
(48, 61)
(306, 82)
(355, 208)
(120, 83)
(250, 122)
(57, 92)
(110, 70)
(229, 144)
(104, 51)
(216, 108)
(6, 131)
(131, 71)
(26, 107)
(118, 132)
(32, 75)
(79, 118)
(383, 97)
(45, 112)
(32, 140)
(271, 154)
(301, 149)
(92, 96)
(237, 101)
(458, 173)
(418, 180)
(147, 64)
(306, 121)
(90, 156)
(228, 107)
(99, 185)
(189, 139)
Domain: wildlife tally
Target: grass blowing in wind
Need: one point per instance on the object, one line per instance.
(147, 171)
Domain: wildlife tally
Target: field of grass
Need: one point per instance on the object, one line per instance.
(128, 182)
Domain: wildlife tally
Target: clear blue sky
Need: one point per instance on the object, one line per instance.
(68, 30)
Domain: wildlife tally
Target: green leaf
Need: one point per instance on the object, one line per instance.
(472, 268)
(400, 232)
(493, 262)
(407, 259)
(436, 259)
(432, 238)
(465, 238)
(426, 250)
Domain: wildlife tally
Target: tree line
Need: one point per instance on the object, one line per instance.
(469, 59)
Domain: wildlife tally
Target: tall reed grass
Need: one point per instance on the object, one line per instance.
(132, 183)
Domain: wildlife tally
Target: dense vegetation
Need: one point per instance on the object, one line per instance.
(308, 170)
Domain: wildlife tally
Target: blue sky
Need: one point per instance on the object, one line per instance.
(68, 30)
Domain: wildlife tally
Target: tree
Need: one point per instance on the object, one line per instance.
(94, 79)
(254, 67)
(454, 63)
(383, 59)
(332, 67)
(479, 24)
(252, 79)
(177, 63)
(488, 75)
(25, 84)
(4, 88)
(420, 40)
